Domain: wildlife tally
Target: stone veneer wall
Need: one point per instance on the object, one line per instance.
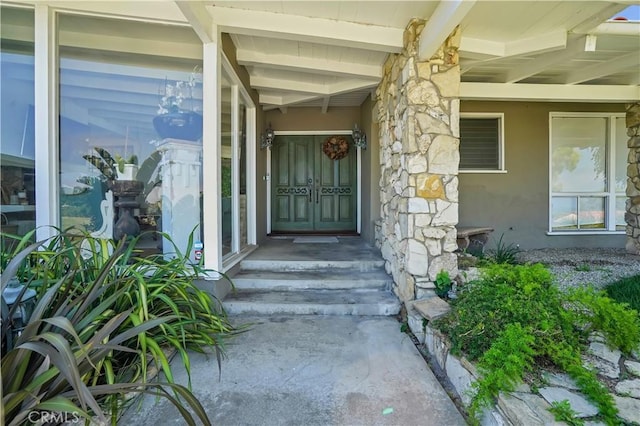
(632, 216)
(418, 114)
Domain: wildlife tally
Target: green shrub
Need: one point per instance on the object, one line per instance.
(503, 253)
(626, 290)
(504, 364)
(594, 311)
(563, 412)
(514, 319)
(100, 321)
(504, 295)
(443, 283)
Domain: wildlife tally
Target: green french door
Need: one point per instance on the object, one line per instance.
(309, 191)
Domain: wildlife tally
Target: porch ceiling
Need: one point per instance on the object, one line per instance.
(329, 54)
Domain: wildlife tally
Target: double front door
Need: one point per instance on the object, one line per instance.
(311, 192)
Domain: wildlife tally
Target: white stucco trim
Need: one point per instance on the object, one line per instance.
(211, 164)
(311, 132)
(252, 182)
(548, 92)
(46, 117)
(441, 23)
(484, 172)
(574, 233)
(165, 12)
(307, 29)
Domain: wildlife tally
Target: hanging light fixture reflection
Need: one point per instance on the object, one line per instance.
(359, 137)
(266, 140)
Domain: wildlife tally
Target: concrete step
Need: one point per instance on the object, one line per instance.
(312, 302)
(327, 279)
(309, 265)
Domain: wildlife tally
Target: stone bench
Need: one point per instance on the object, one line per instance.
(472, 239)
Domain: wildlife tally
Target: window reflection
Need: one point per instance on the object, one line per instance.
(17, 117)
(226, 165)
(588, 173)
(130, 123)
(242, 141)
(579, 154)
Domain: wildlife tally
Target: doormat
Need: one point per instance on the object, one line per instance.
(315, 240)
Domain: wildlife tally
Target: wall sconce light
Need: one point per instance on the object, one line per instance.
(266, 140)
(359, 137)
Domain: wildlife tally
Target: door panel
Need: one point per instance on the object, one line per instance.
(310, 191)
(336, 186)
(292, 168)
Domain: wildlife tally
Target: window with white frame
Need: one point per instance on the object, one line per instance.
(481, 142)
(588, 160)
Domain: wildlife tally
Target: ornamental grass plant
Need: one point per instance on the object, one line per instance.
(514, 320)
(100, 323)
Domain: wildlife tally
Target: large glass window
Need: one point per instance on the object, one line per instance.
(234, 157)
(588, 172)
(242, 156)
(226, 181)
(130, 126)
(17, 124)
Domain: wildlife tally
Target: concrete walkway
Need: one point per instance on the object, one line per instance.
(312, 370)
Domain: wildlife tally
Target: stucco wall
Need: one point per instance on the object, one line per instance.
(370, 172)
(312, 118)
(516, 204)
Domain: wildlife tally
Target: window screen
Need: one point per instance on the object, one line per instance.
(480, 143)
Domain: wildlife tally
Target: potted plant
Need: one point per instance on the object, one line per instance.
(114, 167)
(173, 120)
(127, 168)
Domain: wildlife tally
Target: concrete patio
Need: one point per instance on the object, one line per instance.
(312, 370)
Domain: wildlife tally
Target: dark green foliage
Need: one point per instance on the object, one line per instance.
(121, 161)
(225, 175)
(443, 283)
(503, 253)
(626, 290)
(104, 162)
(109, 165)
(503, 365)
(563, 412)
(504, 295)
(594, 311)
(514, 318)
(101, 320)
(147, 170)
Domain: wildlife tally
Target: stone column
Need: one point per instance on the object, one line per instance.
(418, 114)
(632, 216)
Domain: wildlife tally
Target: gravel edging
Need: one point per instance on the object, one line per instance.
(576, 267)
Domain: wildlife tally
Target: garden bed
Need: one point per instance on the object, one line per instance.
(512, 338)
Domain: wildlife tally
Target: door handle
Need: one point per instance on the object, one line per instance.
(310, 187)
(317, 200)
(310, 194)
